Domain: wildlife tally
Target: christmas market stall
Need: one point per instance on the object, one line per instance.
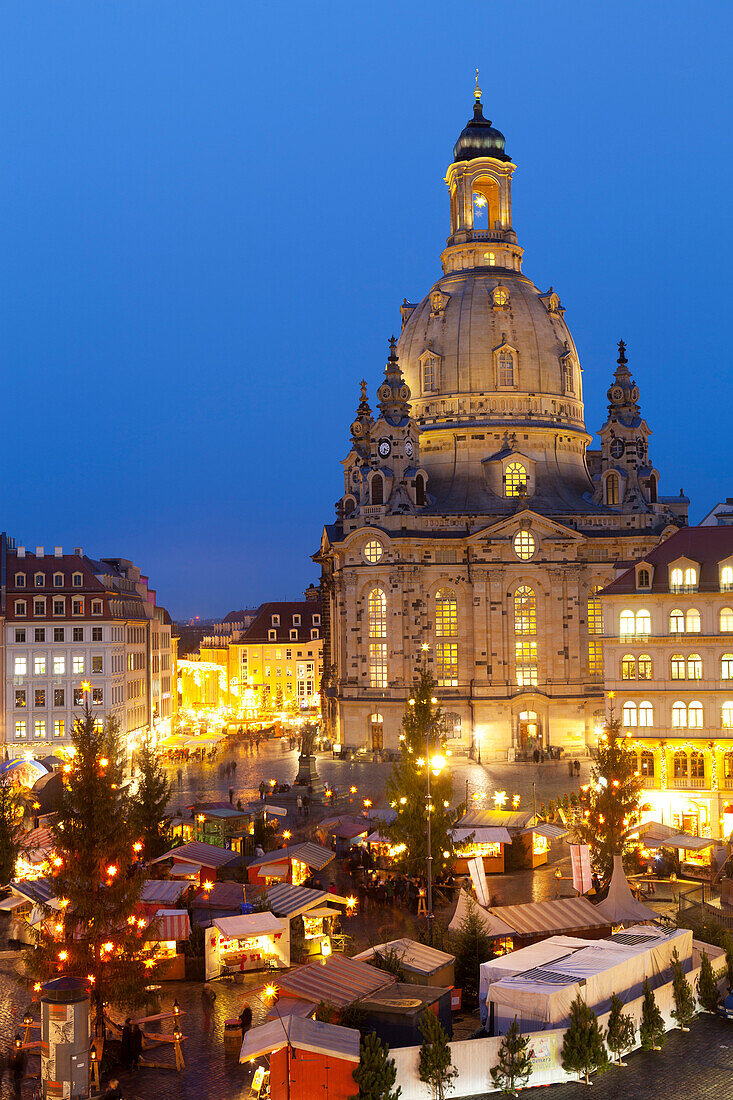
(394, 1013)
(506, 840)
(420, 964)
(295, 864)
(513, 926)
(195, 860)
(301, 1058)
(250, 941)
(169, 928)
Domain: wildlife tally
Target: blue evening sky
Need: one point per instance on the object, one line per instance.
(210, 212)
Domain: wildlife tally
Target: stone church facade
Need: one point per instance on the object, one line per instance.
(474, 518)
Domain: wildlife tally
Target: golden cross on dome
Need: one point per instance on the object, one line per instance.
(477, 90)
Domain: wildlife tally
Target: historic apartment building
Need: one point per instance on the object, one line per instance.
(474, 518)
(276, 663)
(669, 661)
(75, 625)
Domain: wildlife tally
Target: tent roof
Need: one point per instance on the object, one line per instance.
(303, 1034)
(248, 924)
(203, 855)
(510, 819)
(290, 901)
(547, 829)
(161, 890)
(314, 856)
(493, 926)
(337, 978)
(620, 905)
(414, 956)
(483, 834)
(549, 917)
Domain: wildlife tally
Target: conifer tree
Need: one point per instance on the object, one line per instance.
(97, 932)
(435, 1066)
(407, 785)
(148, 818)
(10, 832)
(583, 1049)
(376, 1073)
(707, 987)
(621, 1031)
(684, 999)
(471, 945)
(651, 1031)
(514, 1067)
(610, 804)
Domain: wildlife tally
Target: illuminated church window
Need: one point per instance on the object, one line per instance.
(524, 545)
(612, 493)
(377, 616)
(515, 479)
(506, 368)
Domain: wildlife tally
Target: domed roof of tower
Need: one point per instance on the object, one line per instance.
(479, 138)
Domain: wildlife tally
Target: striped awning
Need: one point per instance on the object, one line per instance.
(170, 924)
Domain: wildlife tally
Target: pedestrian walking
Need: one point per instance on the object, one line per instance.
(571, 768)
(576, 765)
(125, 1043)
(234, 767)
(245, 1019)
(136, 1045)
(262, 791)
(113, 1091)
(16, 1064)
(299, 804)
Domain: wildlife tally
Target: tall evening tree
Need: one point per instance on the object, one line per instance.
(96, 878)
(514, 1066)
(376, 1073)
(684, 998)
(472, 945)
(583, 1049)
(407, 785)
(651, 1029)
(611, 801)
(621, 1030)
(435, 1066)
(148, 818)
(707, 986)
(11, 816)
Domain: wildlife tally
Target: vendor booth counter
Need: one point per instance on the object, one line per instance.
(252, 941)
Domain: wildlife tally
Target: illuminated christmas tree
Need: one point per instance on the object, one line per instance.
(97, 930)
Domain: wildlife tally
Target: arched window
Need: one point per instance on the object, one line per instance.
(446, 628)
(612, 495)
(726, 716)
(697, 764)
(680, 764)
(506, 368)
(349, 505)
(642, 580)
(694, 667)
(645, 667)
(676, 579)
(377, 489)
(568, 379)
(420, 490)
(646, 764)
(376, 732)
(692, 621)
(726, 666)
(525, 631)
(694, 716)
(377, 616)
(679, 716)
(726, 578)
(515, 479)
(726, 620)
(627, 624)
(628, 667)
(677, 666)
(676, 622)
(525, 611)
(690, 578)
(643, 623)
(652, 489)
(430, 374)
(646, 714)
(629, 715)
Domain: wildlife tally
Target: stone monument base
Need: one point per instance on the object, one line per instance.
(308, 776)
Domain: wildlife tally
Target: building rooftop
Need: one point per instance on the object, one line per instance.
(707, 546)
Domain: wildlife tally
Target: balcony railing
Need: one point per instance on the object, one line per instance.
(728, 783)
(633, 637)
(681, 588)
(685, 783)
(649, 783)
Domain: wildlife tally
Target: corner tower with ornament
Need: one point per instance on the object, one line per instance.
(475, 518)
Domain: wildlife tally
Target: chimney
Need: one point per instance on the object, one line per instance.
(58, 551)
(39, 551)
(78, 551)
(21, 551)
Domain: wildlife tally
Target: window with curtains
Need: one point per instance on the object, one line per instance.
(679, 716)
(680, 765)
(726, 666)
(645, 667)
(694, 667)
(695, 716)
(697, 765)
(377, 616)
(677, 666)
(726, 620)
(628, 667)
(646, 764)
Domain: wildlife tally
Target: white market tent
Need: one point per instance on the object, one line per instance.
(540, 997)
(526, 958)
(620, 906)
(248, 924)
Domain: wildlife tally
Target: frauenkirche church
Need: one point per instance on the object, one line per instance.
(474, 516)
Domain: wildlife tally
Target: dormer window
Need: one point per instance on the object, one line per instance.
(314, 634)
(272, 635)
(293, 635)
(39, 580)
(612, 490)
(275, 620)
(683, 579)
(515, 480)
(726, 578)
(58, 580)
(76, 580)
(316, 620)
(296, 620)
(643, 578)
(20, 580)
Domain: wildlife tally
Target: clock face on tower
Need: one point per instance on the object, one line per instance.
(617, 448)
(408, 448)
(385, 448)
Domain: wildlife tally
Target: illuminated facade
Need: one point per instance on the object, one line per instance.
(275, 665)
(74, 626)
(473, 516)
(669, 661)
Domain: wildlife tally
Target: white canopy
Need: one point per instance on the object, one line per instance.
(493, 926)
(621, 907)
(526, 958)
(483, 834)
(541, 997)
(248, 924)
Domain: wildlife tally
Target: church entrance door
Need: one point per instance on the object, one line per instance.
(529, 730)
(376, 727)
